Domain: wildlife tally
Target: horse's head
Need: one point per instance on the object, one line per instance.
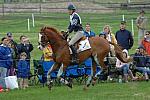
(49, 35)
(43, 38)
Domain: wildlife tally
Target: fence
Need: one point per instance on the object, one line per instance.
(39, 6)
(100, 1)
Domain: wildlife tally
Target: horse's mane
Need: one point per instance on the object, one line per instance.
(54, 30)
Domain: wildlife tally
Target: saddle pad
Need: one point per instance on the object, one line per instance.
(84, 45)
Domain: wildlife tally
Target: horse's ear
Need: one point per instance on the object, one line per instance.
(43, 28)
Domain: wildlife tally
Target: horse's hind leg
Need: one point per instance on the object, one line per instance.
(100, 62)
(93, 72)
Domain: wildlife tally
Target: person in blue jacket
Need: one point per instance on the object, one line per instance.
(23, 70)
(5, 57)
(88, 32)
(124, 37)
(76, 30)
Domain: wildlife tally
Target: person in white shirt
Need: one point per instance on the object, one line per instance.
(124, 67)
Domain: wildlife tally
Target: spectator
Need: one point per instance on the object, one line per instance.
(124, 37)
(102, 34)
(13, 46)
(47, 53)
(88, 32)
(23, 71)
(5, 57)
(11, 70)
(110, 37)
(142, 23)
(125, 67)
(25, 46)
(48, 59)
(141, 59)
(12, 42)
(146, 42)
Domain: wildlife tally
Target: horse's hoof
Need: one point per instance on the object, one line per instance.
(85, 88)
(49, 87)
(69, 85)
(49, 84)
(87, 85)
(93, 82)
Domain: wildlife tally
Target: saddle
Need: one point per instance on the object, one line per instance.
(82, 45)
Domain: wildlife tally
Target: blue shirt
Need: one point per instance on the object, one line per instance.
(23, 69)
(89, 34)
(5, 57)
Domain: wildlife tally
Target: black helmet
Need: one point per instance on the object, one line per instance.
(71, 7)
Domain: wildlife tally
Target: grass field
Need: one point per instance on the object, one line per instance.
(102, 91)
(17, 24)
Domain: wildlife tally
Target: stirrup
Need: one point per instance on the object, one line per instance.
(74, 61)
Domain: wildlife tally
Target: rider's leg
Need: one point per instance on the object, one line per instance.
(76, 37)
(74, 53)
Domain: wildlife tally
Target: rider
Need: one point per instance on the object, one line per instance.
(76, 26)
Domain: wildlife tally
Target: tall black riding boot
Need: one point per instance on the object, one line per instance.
(74, 59)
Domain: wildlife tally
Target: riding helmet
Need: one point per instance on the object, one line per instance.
(71, 7)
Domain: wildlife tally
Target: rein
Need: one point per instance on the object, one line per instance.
(50, 42)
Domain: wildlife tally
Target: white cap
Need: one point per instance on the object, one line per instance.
(126, 51)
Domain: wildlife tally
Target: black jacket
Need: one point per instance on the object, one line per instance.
(124, 38)
(27, 48)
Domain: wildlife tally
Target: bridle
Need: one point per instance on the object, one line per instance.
(51, 42)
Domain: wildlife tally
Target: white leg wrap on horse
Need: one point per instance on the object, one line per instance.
(89, 80)
(64, 81)
(49, 71)
(60, 71)
(90, 77)
(98, 73)
(96, 60)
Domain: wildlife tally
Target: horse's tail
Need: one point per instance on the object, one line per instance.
(119, 54)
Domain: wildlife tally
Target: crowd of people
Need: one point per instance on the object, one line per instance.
(123, 37)
(17, 55)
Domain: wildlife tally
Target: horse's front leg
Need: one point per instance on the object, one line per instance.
(49, 81)
(63, 79)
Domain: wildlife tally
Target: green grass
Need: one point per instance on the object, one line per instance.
(102, 91)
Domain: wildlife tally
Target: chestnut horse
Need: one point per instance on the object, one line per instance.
(100, 48)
